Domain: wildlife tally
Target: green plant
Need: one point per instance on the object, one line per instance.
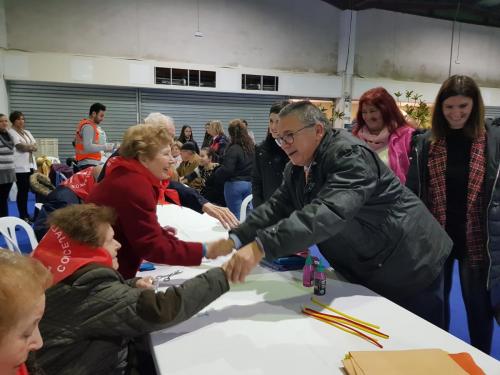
(336, 115)
(415, 108)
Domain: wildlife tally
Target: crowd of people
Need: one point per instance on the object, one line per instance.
(390, 206)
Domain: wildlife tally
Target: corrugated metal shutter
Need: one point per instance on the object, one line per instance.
(195, 108)
(492, 112)
(54, 110)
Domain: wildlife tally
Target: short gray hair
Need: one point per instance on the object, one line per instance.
(157, 118)
(306, 112)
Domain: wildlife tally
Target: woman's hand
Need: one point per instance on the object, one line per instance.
(145, 283)
(226, 217)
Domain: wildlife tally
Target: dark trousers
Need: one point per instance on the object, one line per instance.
(429, 303)
(23, 187)
(476, 300)
(4, 197)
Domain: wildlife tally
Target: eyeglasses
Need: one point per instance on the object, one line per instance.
(290, 137)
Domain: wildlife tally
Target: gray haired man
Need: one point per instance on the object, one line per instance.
(338, 194)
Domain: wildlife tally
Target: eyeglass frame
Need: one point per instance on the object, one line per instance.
(280, 141)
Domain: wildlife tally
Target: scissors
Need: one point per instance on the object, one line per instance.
(161, 280)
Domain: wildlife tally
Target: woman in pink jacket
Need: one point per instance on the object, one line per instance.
(382, 126)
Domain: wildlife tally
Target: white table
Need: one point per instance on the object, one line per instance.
(258, 328)
(190, 225)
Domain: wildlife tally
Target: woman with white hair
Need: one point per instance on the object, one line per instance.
(157, 118)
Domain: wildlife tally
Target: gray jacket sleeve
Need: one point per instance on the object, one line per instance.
(88, 141)
(351, 178)
(131, 312)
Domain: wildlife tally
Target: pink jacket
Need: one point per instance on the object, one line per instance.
(399, 150)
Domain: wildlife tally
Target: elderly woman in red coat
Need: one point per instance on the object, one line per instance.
(132, 188)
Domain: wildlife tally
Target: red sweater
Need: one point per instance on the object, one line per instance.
(132, 191)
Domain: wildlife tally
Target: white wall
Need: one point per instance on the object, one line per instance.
(412, 48)
(491, 95)
(65, 68)
(292, 35)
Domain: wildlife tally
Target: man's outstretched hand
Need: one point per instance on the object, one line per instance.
(243, 262)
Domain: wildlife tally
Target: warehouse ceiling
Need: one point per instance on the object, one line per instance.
(479, 12)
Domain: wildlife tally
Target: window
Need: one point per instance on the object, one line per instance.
(207, 78)
(184, 77)
(163, 76)
(256, 82)
(180, 77)
(194, 78)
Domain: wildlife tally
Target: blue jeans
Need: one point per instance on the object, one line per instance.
(234, 193)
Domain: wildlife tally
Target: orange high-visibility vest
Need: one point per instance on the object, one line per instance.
(79, 154)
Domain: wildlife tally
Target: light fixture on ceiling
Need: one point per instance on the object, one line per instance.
(198, 33)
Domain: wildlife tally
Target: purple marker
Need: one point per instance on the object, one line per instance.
(308, 272)
(320, 280)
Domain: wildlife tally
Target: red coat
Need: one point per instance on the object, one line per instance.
(132, 191)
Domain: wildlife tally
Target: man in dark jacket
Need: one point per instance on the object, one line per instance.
(269, 161)
(339, 195)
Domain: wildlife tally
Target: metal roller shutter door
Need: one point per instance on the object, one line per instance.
(195, 108)
(54, 110)
(492, 112)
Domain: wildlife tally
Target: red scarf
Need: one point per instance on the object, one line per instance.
(168, 196)
(475, 237)
(81, 183)
(134, 165)
(63, 256)
(22, 370)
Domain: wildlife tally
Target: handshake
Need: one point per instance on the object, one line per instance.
(241, 263)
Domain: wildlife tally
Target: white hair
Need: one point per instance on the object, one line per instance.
(157, 118)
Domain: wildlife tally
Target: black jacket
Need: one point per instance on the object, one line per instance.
(372, 230)
(418, 181)
(267, 171)
(236, 165)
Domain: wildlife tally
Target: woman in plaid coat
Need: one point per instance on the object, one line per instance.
(455, 171)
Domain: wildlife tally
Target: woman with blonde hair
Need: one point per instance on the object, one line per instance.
(132, 187)
(39, 181)
(219, 139)
(23, 281)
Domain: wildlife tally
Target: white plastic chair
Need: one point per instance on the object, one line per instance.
(10, 242)
(60, 177)
(8, 226)
(244, 207)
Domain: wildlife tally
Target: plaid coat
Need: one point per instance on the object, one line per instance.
(419, 181)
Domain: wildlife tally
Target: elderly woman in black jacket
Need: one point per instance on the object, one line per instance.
(269, 161)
